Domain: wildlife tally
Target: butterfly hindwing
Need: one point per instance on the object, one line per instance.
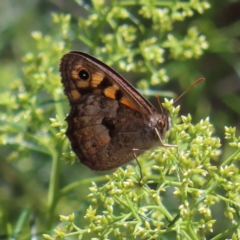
(103, 133)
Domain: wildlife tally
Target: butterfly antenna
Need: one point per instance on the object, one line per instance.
(159, 103)
(190, 87)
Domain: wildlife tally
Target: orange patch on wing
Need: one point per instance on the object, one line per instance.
(82, 84)
(127, 102)
(110, 92)
(74, 75)
(74, 95)
(97, 78)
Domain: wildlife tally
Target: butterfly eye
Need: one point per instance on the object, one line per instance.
(84, 74)
(161, 123)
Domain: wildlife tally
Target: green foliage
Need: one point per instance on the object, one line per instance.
(132, 45)
(177, 197)
(183, 186)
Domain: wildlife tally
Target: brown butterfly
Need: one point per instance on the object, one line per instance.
(109, 118)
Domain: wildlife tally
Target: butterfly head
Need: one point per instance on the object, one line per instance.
(164, 124)
(161, 123)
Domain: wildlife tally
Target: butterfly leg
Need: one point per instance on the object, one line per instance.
(140, 168)
(161, 140)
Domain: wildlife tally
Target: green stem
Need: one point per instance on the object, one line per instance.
(53, 189)
(230, 158)
(132, 208)
(162, 209)
(191, 233)
(71, 186)
(222, 235)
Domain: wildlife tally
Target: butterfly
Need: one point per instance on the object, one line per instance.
(109, 118)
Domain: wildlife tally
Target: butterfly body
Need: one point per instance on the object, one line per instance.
(108, 117)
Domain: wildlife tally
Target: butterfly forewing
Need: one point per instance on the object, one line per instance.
(103, 78)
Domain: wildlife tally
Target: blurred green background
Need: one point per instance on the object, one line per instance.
(25, 171)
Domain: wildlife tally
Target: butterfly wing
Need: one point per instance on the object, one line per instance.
(102, 131)
(83, 74)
